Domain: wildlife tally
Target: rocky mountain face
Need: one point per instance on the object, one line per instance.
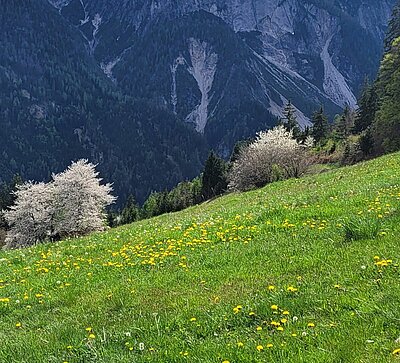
(228, 66)
(145, 87)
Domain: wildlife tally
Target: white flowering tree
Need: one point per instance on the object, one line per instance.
(30, 216)
(79, 200)
(274, 155)
(72, 204)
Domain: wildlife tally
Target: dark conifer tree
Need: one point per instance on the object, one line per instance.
(367, 142)
(290, 120)
(367, 107)
(320, 126)
(386, 128)
(305, 133)
(131, 211)
(214, 180)
(393, 31)
(344, 124)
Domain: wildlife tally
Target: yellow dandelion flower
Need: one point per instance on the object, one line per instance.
(285, 312)
(260, 348)
(193, 319)
(274, 307)
(270, 345)
(279, 328)
(396, 351)
(259, 328)
(91, 336)
(311, 325)
(271, 287)
(18, 325)
(239, 344)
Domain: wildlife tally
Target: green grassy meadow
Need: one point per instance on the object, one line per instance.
(303, 270)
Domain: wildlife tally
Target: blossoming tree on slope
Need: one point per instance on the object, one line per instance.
(274, 155)
(72, 204)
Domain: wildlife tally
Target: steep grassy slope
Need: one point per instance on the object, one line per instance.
(300, 271)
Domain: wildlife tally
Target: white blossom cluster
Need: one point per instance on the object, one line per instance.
(274, 155)
(71, 205)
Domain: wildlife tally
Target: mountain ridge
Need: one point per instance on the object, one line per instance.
(275, 20)
(308, 44)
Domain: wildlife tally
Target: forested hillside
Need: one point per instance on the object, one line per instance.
(56, 105)
(387, 118)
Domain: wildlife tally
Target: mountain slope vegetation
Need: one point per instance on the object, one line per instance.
(144, 88)
(56, 105)
(304, 270)
(387, 117)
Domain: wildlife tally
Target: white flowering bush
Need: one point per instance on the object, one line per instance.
(274, 155)
(79, 200)
(30, 216)
(72, 204)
